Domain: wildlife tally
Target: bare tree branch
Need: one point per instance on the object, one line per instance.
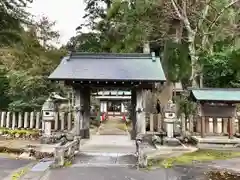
(182, 17)
(221, 12)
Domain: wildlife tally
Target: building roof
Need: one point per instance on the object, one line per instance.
(216, 94)
(110, 67)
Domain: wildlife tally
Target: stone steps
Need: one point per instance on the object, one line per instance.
(95, 159)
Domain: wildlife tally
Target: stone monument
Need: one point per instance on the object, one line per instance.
(170, 118)
(49, 110)
(48, 116)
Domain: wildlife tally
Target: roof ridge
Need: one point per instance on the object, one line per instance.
(109, 55)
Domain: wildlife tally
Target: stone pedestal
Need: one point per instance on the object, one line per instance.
(47, 128)
(169, 127)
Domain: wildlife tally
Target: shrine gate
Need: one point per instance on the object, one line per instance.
(90, 72)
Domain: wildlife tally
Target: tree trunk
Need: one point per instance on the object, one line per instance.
(194, 59)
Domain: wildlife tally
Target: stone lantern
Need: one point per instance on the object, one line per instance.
(170, 118)
(48, 116)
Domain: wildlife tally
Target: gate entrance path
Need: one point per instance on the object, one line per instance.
(111, 146)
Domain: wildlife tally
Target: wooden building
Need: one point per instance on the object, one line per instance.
(91, 72)
(113, 102)
(216, 110)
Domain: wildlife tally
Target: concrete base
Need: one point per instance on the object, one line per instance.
(216, 140)
(171, 142)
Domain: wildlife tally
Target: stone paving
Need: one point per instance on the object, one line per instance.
(190, 172)
(9, 164)
(124, 173)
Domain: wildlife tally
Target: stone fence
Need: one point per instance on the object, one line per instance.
(66, 152)
(33, 120)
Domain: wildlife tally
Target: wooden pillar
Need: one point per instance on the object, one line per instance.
(202, 127)
(230, 127)
(133, 113)
(215, 125)
(207, 125)
(210, 120)
(140, 112)
(198, 124)
(225, 125)
(86, 118)
(78, 112)
(219, 125)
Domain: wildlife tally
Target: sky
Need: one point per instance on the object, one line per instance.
(67, 14)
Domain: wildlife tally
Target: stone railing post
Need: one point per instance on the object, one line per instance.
(69, 120)
(32, 120)
(151, 119)
(8, 119)
(56, 121)
(13, 120)
(3, 119)
(59, 156)
(20, 120)
(26, 122)
(37, 120)
(62, 120)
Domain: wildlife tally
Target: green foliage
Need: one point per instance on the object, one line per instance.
(185, 106)
(24, 62)
(221, 68)
(4, 85)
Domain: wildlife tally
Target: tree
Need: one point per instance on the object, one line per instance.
(45, 32)
(202, 33)
(24, 62)
(221, 68)
(85, 42)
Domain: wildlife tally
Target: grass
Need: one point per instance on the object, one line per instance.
(197, 156)
(19, 174)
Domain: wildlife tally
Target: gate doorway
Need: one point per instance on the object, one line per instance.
(128, 71)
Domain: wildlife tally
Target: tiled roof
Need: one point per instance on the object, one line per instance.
(216, 94)
(107, 66)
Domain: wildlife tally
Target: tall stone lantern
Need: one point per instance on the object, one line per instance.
(48, 116)
(170, 117)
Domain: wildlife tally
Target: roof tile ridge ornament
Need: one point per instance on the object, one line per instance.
(69, 55)
(101, 55)
(153, 56)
